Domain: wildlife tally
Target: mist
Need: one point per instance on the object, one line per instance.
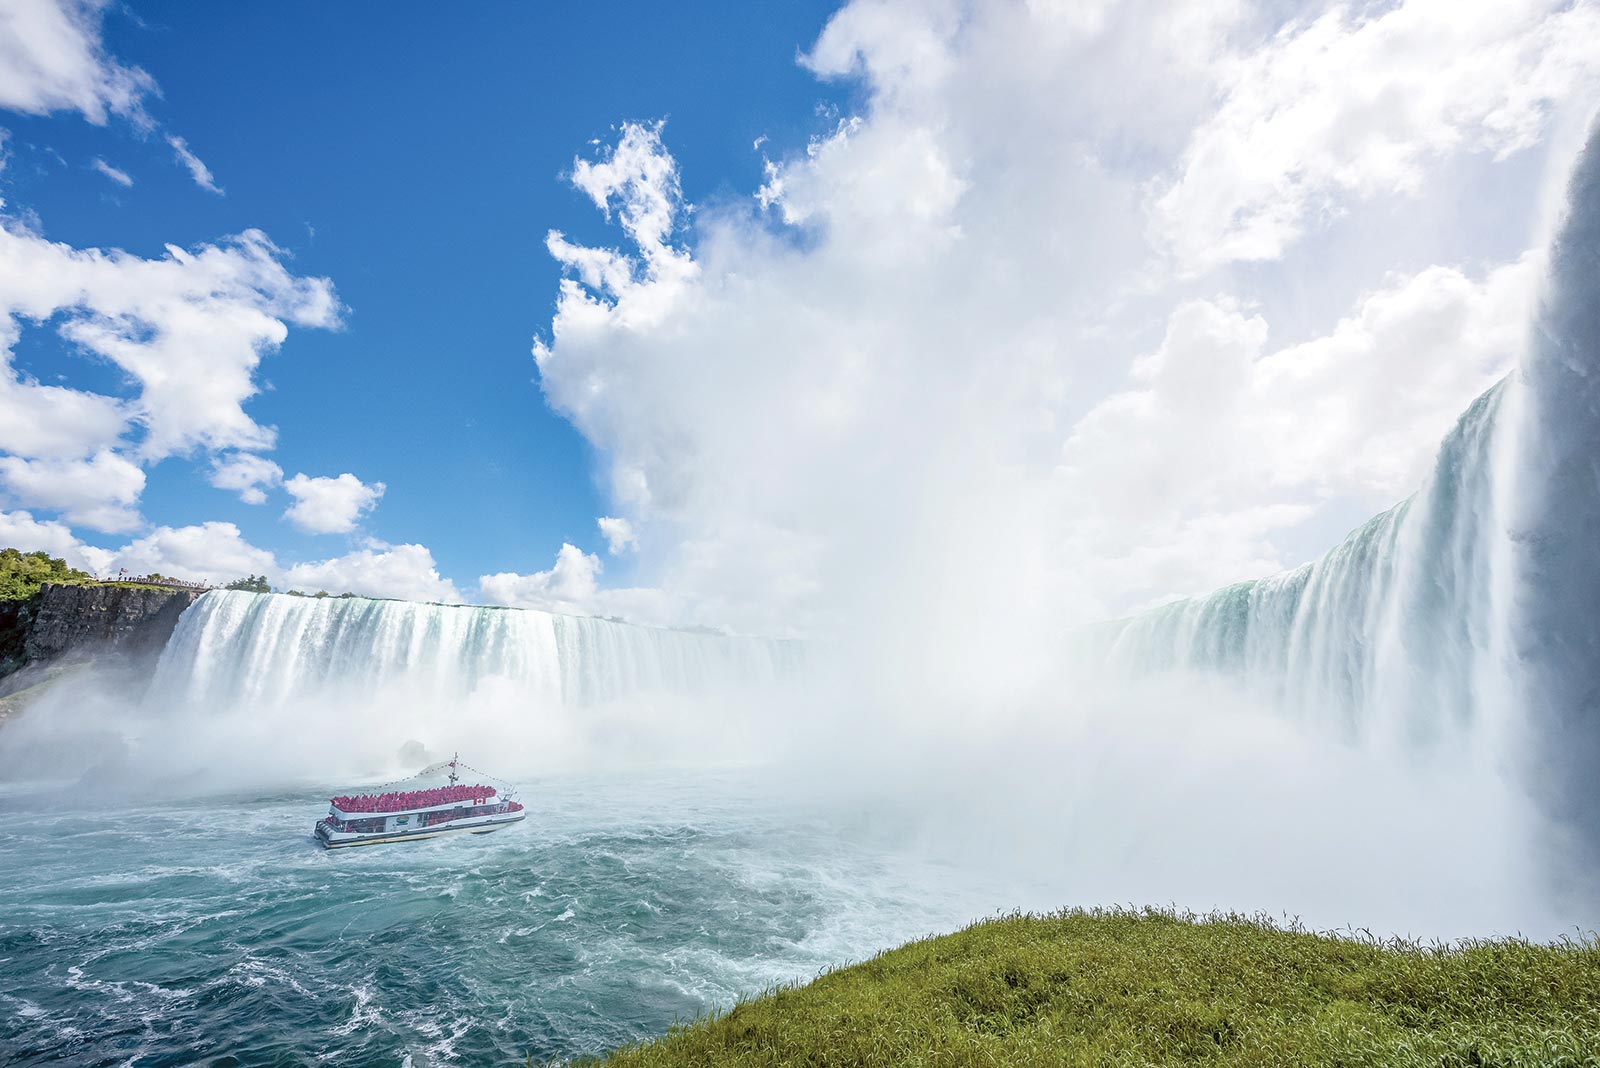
(1181, 788)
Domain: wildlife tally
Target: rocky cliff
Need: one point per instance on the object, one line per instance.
(64, 628)
(84, 621)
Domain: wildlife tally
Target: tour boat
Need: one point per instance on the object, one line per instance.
(407, 815)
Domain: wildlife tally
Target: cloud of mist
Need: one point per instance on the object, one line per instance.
(946, 365)
(1181, 789)
(340, 733)
(1186, 790)
(981, 366)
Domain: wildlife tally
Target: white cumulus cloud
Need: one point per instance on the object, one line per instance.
(1225, 443)
(247, 475)
(100, 492)
(404, 571)
(189, 329)
(53, 421)
(330, 505)
(619, 534)
(571, 586)
(212, 552)
(1359, 103)
(20, 530)
(52, 59)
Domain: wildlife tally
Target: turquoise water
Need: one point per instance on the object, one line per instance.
(213, 931)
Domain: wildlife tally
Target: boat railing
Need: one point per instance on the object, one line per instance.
(411, 799)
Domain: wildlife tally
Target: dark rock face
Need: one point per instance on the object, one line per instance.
(15, 617)
(85, 621)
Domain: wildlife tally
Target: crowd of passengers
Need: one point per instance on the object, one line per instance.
(399, 802)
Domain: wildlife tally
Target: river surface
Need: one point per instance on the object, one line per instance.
(213, 930)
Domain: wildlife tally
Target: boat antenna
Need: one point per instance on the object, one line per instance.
(453, 760)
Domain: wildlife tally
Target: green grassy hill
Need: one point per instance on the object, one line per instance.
(1154, 988)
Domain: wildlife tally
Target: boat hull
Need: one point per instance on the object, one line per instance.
(346, 841)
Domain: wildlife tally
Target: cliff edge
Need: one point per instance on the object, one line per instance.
(73, 621)
(64, 625)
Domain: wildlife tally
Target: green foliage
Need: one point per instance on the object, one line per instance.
(251, 584)
(21, 577)
(1160, 988)
(22, 574)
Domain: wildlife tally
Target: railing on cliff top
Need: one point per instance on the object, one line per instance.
(162, 580)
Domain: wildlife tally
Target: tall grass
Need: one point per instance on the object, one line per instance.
(1153, 987)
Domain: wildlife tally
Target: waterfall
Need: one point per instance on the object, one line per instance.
(1555, 517)
(1470, 611)
(1393, 631)
(248, 650)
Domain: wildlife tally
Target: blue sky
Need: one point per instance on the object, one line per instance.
(415, 161)
(913, 312)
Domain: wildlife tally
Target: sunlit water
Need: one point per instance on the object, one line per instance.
(185, 932)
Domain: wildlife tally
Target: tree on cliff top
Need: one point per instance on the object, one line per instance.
(251, 584)
(21, 574)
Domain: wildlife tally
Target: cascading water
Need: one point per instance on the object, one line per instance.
(234, 649)
(1555, 518)
(1470, 611)
(1392, 632)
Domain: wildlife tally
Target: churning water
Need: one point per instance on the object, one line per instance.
(181, 933)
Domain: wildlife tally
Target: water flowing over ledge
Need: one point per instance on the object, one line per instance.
(1470, 611)
(236, 650)
(1397, 630)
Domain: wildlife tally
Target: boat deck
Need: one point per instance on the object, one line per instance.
(406, 815)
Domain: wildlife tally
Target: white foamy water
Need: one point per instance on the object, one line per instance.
(235, 649)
